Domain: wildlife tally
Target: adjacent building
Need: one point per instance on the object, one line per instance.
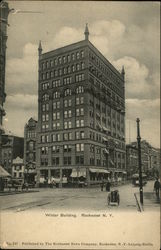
(18, 169)
(81, 115)
(4, 11)
(12, 147)
(131, 160)
(30, 134)
(150, 159)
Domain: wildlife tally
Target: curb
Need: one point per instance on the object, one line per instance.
(12, 193)
(140, 208)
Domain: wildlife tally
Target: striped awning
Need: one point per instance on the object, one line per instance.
(99, 170)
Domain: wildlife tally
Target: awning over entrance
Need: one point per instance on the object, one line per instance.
(120, 171)
(3, 172)
(78, 172)
(99, 170)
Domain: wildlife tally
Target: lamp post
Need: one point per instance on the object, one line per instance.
(139, 161)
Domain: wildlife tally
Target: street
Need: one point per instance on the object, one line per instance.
(70, 199)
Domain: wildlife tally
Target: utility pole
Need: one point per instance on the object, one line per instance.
(139, 161)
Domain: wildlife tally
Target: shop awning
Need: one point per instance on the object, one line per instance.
(3, 172)
(99, 170)
(106, 151)
(78, 173)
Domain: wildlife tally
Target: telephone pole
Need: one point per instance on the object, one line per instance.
(139, 161)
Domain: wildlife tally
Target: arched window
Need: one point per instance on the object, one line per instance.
(67, 92)
(79, 90)
(78, 66)
(45, 97)
(68, 69)
(56, 95)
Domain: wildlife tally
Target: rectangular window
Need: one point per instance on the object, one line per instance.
(69, 113)
(82, 134)
(82, 123)
(77, 123)
(65, 136)
(70, 136)
(77, 135)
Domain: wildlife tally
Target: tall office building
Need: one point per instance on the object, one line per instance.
(4, 11)
(81, 115)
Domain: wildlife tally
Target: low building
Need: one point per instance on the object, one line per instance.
(18, 169)
(30, 150)
(12, 147)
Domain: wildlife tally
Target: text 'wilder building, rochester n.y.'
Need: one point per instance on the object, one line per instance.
(81, 116)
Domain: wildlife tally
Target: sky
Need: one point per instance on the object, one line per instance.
(126, 33)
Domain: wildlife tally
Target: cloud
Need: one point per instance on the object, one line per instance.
(148, 111)
(65, 36)
(20, 108)
(137, 79)
(23, 102)
(22, 73)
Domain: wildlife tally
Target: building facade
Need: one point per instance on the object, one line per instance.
(131, 160)
(4, 11)
(150, 158)
(30, 133)
(18, 169)
(12, 147)
(81, 115)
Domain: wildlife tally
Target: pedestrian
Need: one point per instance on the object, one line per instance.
(108, 186)
(102, 185)
(157, 187)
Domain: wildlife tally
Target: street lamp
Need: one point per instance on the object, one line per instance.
(139, 161)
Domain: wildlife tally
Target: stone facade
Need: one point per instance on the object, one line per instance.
(81, 115)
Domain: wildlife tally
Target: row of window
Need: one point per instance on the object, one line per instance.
(63, 59)
(66, 148)
(67, 160)
(31, 134)
(67, 92)
(60, 72)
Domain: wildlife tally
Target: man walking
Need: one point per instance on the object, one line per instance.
(157, 187)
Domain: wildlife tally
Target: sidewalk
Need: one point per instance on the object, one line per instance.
(150, 202)
(11, 192)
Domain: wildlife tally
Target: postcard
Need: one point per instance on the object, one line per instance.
(79, 125)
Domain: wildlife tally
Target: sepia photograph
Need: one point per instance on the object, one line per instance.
(80, 125)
